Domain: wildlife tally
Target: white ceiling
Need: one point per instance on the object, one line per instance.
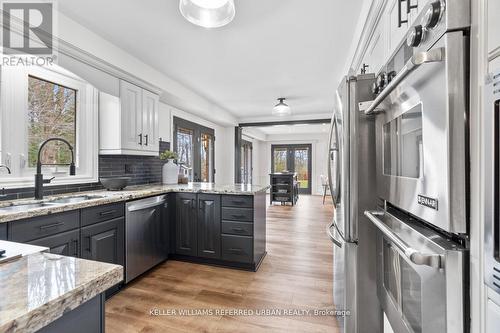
(296, 49)
(294, 129)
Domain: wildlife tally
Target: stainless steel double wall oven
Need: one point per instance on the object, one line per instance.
(421, 112)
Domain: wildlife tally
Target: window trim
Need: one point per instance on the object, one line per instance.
(14, 96)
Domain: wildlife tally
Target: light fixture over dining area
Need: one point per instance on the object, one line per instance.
(208, 13)
(281, 109)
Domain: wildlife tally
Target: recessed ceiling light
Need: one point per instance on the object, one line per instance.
(208, 13)
(281, 109)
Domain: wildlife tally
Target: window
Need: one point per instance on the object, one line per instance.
(195, 146)
(294, 158)
(40, 103)
(51, 114)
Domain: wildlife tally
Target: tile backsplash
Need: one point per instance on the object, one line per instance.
(142, 169)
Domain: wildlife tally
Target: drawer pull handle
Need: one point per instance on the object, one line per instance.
(238, 229)
(53, 225)
(109, 212)
(236, 250)
(238, 202)
(238, 216)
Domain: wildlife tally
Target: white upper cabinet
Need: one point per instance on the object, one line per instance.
(493, 29)
(131, 111)
(128, 125)
(397, 25)
(150, 121)
(376, 52)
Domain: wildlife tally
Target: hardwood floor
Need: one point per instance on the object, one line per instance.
(296, 274)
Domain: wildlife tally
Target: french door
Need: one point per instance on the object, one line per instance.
(246, 162)
(294, 158)
(195, 145)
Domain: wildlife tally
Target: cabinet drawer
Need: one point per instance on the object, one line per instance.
(237, 228)
(237, 248)
(102, 213)
(237, 214)
(38, 227)
(237, 201)
(66, 243)
(3, 231)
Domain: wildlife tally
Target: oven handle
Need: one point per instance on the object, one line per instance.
(432, 260)
(434, 55)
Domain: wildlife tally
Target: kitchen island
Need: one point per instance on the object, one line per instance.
(199, 222)
(51, 293)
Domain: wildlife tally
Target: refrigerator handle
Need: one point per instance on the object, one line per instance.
(332, 236)
(333, 157)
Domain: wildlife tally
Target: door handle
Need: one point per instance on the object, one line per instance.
(49, 226)
(137, 207)
(331, 236)
(416, 257)
(409, 6)
(147, 139)
(140, 139)
(75, 244)
(419, 59)
(400, 20)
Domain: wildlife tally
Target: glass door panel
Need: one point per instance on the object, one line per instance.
(294, 158)
(280, 160)
(185, 147)
(246, 162)
(301, 167)
(207, 157)
(195, 145)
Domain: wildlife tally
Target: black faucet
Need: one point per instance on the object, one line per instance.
(3, 195)
(39, 181)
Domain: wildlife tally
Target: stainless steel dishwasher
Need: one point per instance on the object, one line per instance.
(146, 235)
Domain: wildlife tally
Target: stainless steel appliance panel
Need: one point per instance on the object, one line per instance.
(491, 162)
(420, 275)
(144, 231)
(421, 140)
(352, 182)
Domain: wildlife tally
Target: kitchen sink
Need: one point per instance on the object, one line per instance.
(23, 207)
(76, 199)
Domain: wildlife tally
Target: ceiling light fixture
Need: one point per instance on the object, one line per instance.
(208, 13)
(281, 109)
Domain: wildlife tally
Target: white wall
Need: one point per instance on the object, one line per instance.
(173, 92)
(223, 157)
(319, 144)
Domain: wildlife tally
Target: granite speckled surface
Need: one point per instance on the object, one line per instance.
(39, 288)
(103, 197)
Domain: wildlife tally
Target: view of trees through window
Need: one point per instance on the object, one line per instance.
(51, 113)
(185, 148)
(293, 158)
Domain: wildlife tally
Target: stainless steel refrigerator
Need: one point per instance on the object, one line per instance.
(352, 180)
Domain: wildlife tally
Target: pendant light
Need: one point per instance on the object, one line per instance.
(208, 13)
(281, 109)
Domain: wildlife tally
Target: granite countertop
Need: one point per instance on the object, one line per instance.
(39, 288)
(102, 197)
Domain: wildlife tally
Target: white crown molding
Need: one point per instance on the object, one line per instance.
(374, 15)
(68, 49)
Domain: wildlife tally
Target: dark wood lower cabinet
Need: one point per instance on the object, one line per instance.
(209, 226)
(3, 231)
(104, 241)
(87, 318)
(66, 243)
(185, 224)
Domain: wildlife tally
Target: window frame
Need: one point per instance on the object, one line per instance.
(14, 126)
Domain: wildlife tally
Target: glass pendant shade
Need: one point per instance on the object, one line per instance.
(281, 109)
(208, 13)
